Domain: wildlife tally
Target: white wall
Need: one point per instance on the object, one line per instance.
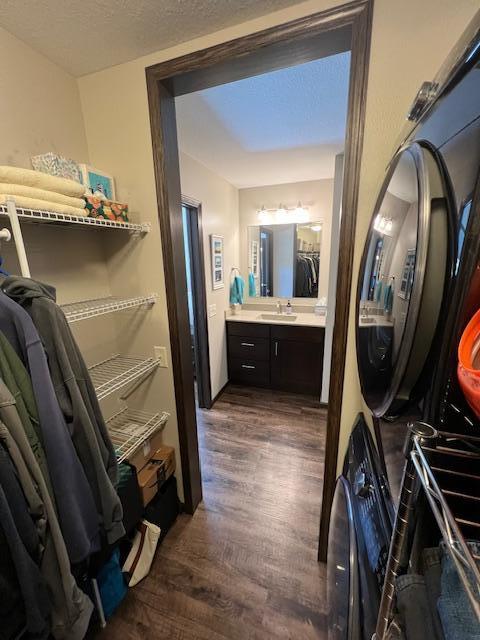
(317, 195)
(409, 42)
(219, 200)
(40, 106)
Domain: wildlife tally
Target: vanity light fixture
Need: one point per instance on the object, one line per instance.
(283, 214)
(316, 227)
(383, 224)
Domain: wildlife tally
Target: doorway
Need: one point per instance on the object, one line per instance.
(197, 305)
(282, 46)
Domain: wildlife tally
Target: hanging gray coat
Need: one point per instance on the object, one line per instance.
(76, 396)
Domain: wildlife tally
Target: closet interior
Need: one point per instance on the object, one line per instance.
(95, 267)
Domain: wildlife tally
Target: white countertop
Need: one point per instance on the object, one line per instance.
(374, 321)
(301, 319)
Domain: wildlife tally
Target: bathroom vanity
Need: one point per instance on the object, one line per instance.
(276, 351)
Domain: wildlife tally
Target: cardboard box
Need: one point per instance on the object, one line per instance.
(148, 481)
(143, 455)
(167, 455)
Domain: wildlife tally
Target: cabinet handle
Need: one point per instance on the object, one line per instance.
(276, 347)
(247, 344)
(248, 366)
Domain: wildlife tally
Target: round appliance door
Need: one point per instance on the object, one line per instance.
(401, 283)
(342, 568)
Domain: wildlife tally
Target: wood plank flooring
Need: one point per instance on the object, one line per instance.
(244, 567)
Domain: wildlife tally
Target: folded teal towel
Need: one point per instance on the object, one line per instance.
(252, 290)
(236, 290)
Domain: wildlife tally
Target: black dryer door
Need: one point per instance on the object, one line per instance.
(401, 283)
(342, 568)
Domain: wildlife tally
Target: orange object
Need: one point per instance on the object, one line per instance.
(467, 371)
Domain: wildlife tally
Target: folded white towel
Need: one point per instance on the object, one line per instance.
(43, 205)
(39, 180)
(41, 194)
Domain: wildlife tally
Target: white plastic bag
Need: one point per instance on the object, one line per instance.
(140, 558)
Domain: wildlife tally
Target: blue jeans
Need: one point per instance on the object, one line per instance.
(458, 619)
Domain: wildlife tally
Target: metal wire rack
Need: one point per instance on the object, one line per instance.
(129, 430)
(40, 215)
(84, 309)
(464, 560)
(115, 372)
(421, 442)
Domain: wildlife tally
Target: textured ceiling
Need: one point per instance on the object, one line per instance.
(86, 36)
(280, 127)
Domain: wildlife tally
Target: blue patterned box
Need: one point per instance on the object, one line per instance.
(56, 165)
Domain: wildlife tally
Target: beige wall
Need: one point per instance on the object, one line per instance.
(219, 200)
(39, 108)
(410, 40)
(316, 194)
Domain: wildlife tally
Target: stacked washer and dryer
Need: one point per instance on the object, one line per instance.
(419, 286)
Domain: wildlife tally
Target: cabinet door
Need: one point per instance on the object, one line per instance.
(297, 366)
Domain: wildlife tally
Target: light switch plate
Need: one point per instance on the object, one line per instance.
(212, 310)
(161, 356)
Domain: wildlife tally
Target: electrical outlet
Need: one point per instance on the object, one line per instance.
(161, 356)
(212, 310)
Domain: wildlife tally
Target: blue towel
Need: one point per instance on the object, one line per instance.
(388, 299)
(252, 290)
(236, 290)
(378, 291)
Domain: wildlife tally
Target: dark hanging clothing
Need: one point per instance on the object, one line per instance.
(76, 396)
(73, 497)
(24, 599)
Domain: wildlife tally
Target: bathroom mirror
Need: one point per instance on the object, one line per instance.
(284, 260)
(401, 280)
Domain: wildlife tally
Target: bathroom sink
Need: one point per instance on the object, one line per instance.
(367, 320)
(276, 317)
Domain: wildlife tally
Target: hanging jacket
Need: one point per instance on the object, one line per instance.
(19, 384)
(73, 497)
(71, 609)
(76, 396)
(32, 606)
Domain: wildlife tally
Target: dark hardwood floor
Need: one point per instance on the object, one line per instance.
(244, 567)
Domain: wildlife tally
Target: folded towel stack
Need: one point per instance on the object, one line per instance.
(37, 190)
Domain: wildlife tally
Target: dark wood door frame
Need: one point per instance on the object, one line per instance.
(284, 45)
(199, 295)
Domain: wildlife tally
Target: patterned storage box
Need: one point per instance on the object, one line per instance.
(107, 209)
(56, 165)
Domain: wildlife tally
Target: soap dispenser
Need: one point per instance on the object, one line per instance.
(289, 309)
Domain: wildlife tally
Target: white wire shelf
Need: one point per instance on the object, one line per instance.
(84, 309)
(40, 215)
(114, 373)
(129, 430)
(460, 553)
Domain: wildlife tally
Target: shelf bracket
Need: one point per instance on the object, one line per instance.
(18, 237)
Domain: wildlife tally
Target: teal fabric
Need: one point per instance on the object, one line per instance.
(236, 290)
(388, 299)
(378, 292)
(252, 290)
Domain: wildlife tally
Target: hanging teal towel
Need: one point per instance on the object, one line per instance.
(388, 299)
(378, 291)
(236, 290)
(252, 290)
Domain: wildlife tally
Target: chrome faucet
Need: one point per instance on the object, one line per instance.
(279, 306)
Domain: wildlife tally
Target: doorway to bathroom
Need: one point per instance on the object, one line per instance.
(280, 47)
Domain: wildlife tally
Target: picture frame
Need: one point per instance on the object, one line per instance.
(217, 261)
(254, 258)
(96, 180)
(408, 272)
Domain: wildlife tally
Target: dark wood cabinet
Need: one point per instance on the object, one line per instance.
(276, 356)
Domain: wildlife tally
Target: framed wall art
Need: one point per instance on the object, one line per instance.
(216, 248)
(95, 180)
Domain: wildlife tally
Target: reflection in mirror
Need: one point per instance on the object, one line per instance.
(387, 280)
(284, 260)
